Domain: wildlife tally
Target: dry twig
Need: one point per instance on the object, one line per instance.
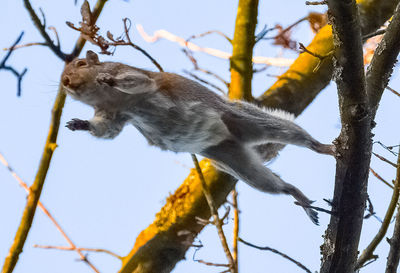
(393, 91)
(321, 58)
(368, 253)
(384, 159)
(73, 248)
(394, 252)
(216, 220)
(373, 34)
(42, 29)
(380, 178)
(204, 81)
(196, 67)
(276, 252)
(17, 74)
(48, 214)
(370, 209)
(90, 32)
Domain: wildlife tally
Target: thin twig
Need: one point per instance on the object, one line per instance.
(316, 3)
(321, 58)
(285, 30)
(380, 178)
(373, 34)
(393, 91)
(204, 81)
(384, 159)
(47, 212)
(368, 253)
(280, 62)
(210, 32)
(276, 252)
(394, 252)
(189, 53)
(125, 20)
(212, 264)
(370, 209)
(42, 29)
(25, 45)
(71, 248)
(11, 69)
(235, 227)
(315, 208)
(214, 213)
(196, 66)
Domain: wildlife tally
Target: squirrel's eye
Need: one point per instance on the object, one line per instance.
(81, 63)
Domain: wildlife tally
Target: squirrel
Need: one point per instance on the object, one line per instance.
(181, 115)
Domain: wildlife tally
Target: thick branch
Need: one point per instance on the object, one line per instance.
(241, 66)
(383, 61)
(353, 145)
(36, 188)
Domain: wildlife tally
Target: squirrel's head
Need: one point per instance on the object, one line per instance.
(79, 75)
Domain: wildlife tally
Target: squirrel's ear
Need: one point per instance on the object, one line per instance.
(92, 57)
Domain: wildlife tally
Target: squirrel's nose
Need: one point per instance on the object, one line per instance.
(66, 80)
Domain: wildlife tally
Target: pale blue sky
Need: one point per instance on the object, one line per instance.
(104, 193)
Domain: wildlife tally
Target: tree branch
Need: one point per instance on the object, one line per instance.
(214, 213)
(17, 74)
(241, 66)
(80, 249)
(277, 252)
(51, 144)
(394, 252)
(353, 144)
(382, 63)
(42, 29)
(368, 253)
(236, 226)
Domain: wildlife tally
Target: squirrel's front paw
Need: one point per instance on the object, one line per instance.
(104, 78)
(78, 124)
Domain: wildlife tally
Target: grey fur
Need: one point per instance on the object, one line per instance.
(177, 114)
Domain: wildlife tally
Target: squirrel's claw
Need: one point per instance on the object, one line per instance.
(78, 124)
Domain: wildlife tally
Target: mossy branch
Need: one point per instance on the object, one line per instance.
(241, 65)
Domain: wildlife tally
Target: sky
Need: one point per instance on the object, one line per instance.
(104, 193)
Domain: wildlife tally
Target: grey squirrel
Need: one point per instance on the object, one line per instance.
(180, 115)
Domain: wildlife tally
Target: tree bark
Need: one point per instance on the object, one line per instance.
(353, 145)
